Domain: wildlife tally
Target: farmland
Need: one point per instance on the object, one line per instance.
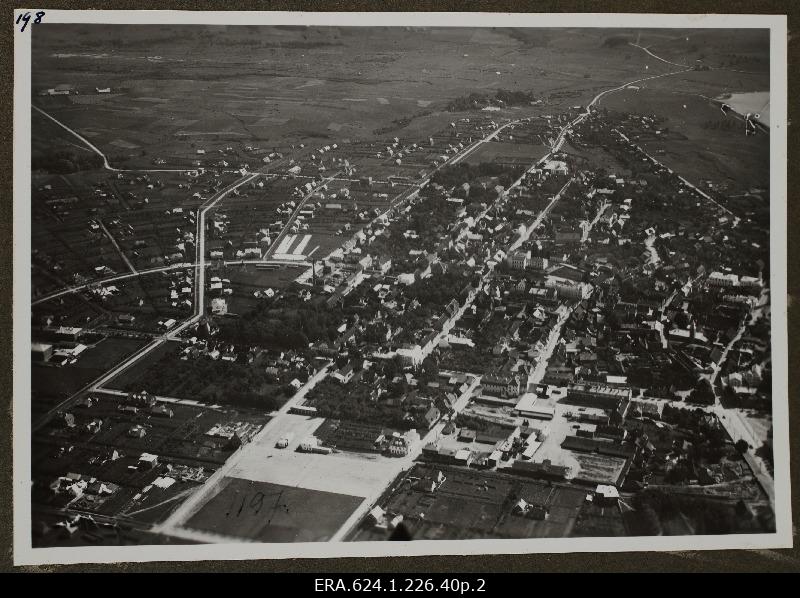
(506, 153)
(266, 88)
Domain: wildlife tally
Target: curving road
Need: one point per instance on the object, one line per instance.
(97, 151)
(659, 57)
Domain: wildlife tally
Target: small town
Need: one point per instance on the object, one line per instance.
(522, 321)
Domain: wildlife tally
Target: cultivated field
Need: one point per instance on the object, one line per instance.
(266, 88)
(507, 153)
(695, 145)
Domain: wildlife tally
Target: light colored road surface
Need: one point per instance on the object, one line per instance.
(200, 269)
(538, 221)
(274, 245)
(199, 293)
(649, 244)
(145, 350)
(403, 464)
(541, 362)
(156, 270)
(172, 524)
(659, 57)
(587, 230)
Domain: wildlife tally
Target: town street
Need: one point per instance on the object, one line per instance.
(587, 229)
(172, 524)
(691, 186)
(403, 464)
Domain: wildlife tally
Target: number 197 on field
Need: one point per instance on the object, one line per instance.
(25, 18)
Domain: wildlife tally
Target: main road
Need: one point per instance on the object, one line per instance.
(403, 464)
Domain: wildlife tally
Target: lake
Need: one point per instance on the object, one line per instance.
(751, 101)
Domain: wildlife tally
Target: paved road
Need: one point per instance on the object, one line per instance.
(172, 524)
(596, 100)
(107, 280)
(154, 344)
(535, 377)
(711, 68)
(200, 238)
(538, 221)
(587, 230)
(156, 270)
(172, 334)
(194, 501)
(649, 244)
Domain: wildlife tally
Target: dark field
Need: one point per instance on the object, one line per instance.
(138, 370)
(50, 384)
(266, 512)
(507, 153)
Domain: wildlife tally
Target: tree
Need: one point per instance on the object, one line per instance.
(429, 369)
(741, 446)
(702, 393)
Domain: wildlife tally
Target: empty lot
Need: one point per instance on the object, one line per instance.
(352, 473)
(265, 512)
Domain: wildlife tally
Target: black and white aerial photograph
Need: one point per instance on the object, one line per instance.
(323, 287)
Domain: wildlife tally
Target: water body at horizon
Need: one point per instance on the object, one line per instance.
(751, 101)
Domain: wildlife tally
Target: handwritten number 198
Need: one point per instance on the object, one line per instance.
(25, 18)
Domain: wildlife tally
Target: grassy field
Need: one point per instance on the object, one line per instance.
(138, 370)
(503, 152)
(471, 504)
(247, 279)
(50, 384)
(693, 146)
(267, 512)
(284, 85)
